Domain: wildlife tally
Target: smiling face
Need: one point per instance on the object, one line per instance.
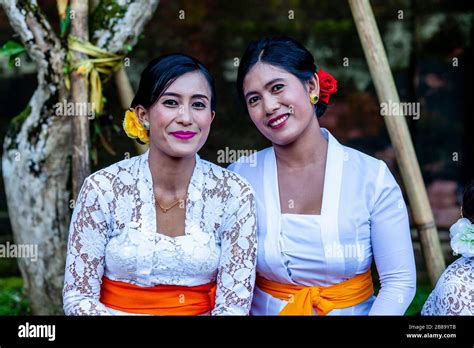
(278, 102)
(181, 117)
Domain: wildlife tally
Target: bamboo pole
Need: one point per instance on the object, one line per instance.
(400, 137)
(79, 96)
(125, 92)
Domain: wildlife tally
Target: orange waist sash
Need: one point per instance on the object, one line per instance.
(159, 299)
(302, 299)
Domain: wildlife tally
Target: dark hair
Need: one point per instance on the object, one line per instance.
(468, 202)
(283, 52)
(162, 72)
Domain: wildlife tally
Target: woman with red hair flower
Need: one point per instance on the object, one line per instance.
(325, 211)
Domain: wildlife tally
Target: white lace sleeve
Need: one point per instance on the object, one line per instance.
(236, 273)
(85, 254)
(454, 292)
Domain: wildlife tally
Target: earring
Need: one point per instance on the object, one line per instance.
(146, 125)
(314, 98)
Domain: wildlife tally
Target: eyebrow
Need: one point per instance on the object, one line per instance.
(278, 79)
(171, 94)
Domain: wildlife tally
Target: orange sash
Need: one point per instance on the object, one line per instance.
(159, 299)
(302, 299)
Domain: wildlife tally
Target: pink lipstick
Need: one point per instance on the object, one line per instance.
(183, 134)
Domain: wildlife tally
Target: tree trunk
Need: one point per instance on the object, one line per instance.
(37, 147)
(79, 95)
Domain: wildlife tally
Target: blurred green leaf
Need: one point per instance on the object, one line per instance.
(12, 50)
(422, 293)
(65, 23)
(11, 47)
(13, 300)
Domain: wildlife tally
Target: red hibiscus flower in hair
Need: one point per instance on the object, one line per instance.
(327, 85)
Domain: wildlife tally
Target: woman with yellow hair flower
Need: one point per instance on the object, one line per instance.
(164, 233)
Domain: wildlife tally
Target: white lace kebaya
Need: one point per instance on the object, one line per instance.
(113, 234)
(454, 291)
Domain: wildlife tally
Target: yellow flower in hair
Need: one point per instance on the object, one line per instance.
(133, 127)
(144, 136)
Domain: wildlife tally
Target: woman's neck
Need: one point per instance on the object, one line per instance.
(308, 149)
(170, 174)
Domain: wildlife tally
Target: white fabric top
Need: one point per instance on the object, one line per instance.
(113, 234)
(454, 291)
(363, 218)
(298, 249)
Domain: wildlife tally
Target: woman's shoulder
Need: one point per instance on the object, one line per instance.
(357, 159)
(226, 179)
(251, 163)
(371, 172)
(125, 169)
(461, 269)
(451, 295)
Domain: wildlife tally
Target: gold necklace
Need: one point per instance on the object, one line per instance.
(165, 209)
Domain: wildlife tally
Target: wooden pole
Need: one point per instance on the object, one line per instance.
(125, 92)
(79, 96)
(400, 137)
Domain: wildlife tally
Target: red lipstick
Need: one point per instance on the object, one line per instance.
(278, 121)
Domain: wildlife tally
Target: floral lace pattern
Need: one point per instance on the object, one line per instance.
(454, 292)
(113, 233)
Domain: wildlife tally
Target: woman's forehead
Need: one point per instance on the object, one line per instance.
(190, 83)
(262, 73)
